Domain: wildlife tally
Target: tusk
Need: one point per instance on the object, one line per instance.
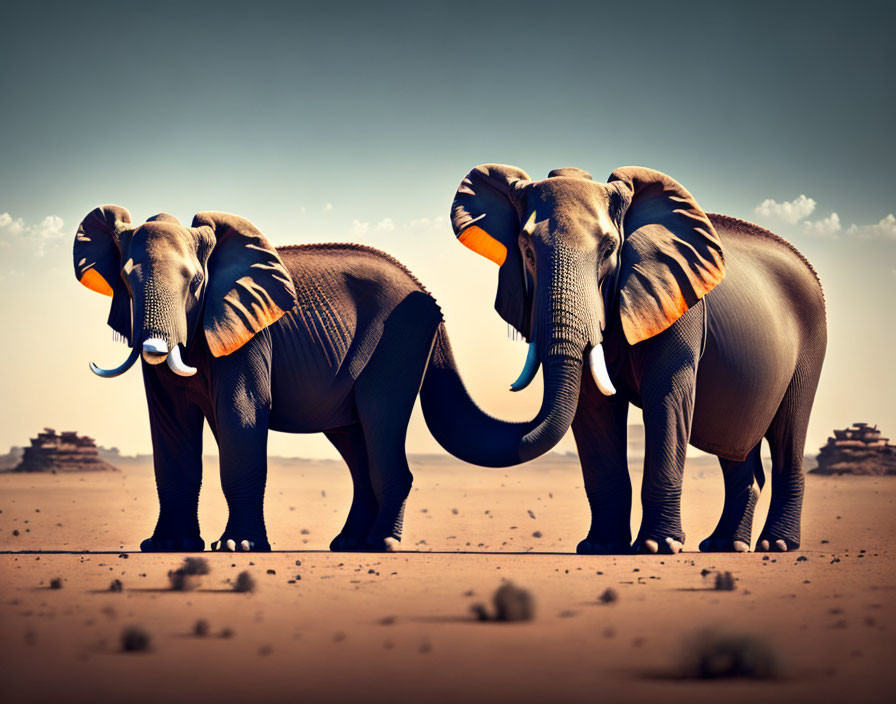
(154, 350)
(530, 369)
(128, 363)
(599, 371)
(177, 364)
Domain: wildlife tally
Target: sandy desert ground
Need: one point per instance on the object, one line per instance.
(399, 627)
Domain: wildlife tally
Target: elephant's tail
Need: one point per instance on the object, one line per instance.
(457, 423)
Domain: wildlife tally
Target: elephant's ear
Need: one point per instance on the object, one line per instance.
(97, 259)
(671, 254)
(486, 218)
(248, 286)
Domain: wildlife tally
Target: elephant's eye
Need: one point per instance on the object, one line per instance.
(530, 257)
(610, 248)
(196, 281)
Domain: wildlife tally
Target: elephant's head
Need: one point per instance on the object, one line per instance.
(168, 282)
(573, 252)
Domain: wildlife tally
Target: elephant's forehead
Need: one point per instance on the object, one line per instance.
(571, 203)
(160, 238)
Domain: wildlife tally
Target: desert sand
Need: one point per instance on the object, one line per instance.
(399, 627)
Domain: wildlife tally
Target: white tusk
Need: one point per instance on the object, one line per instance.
(599, 371)
(176, 363)
(154, 350)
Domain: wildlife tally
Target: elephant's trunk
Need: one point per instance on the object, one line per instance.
(470, 434)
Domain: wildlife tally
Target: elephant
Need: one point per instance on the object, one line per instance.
(332, 338)
(714, 327)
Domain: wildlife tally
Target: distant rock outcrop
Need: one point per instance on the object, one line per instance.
(62, 452)
(859, 449)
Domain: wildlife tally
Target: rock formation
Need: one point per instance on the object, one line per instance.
(859, 449)
(62, 452)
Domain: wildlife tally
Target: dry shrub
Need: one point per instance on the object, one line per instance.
(714, 655)
(135, 640)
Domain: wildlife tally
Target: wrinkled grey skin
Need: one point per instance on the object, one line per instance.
(334, 338)
(714, 327)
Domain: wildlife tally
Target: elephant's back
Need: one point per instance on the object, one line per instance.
(764, 320)
(345, 296)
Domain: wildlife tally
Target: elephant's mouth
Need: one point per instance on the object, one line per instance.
(597, 363)
(155, 351)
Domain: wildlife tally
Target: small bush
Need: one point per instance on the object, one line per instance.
(609, 596)
(135, 640)
(201, 628)
(713, 655)
(244, 583)
(195, 566)
(725, 582)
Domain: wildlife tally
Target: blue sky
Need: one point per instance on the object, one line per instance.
(357, 122)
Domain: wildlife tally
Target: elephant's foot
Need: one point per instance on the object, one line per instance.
(387, 544)
(347, 543)
(717, 544)
(769, 544)
(603, 547)
(657, 546)
(226, 544)
(156, 544)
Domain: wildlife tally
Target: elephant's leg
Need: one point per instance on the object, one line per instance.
(787, 440)
(176, 429)
(350, 443)
(600, 430)
(385, 394)
(242, 408)
(743, 482)
(667, 368)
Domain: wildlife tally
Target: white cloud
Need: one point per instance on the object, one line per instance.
(885, 228)
(791, 211)
(328, 208)
(826, 227)
(385, 225)
(50, 228)
(359, 229)
(436, 223)
(36, 237)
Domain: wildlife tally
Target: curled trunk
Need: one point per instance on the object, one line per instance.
(470, 434)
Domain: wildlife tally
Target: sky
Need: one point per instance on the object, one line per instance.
(357, 122)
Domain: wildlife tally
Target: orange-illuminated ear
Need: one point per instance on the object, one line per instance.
(481, 242)
(671, 254)
(249, 288)
(97, 258)
(485, 216)
(93, 280)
